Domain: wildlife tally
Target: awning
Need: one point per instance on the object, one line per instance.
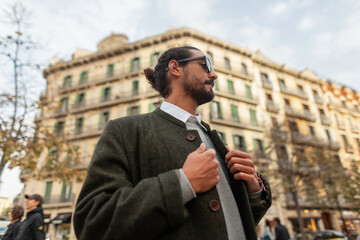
(62, 218)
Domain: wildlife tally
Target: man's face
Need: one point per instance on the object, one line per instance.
(31, 204)
(198, 83)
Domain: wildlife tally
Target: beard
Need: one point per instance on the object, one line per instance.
(196, 89)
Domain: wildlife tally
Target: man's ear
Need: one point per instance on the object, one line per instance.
(174, 68)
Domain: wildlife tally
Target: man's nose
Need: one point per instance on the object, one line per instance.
(212, 75)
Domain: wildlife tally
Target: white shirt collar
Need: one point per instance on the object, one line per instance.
(179, 113)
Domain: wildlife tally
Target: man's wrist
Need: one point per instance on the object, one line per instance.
(186, 189)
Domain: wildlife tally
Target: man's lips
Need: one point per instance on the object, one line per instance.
(211, 82)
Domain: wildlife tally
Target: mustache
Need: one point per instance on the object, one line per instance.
(211, 82)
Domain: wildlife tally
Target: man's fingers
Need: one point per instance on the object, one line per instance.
(201, 148)
(246, 162)
(241, 168)
(236, 153)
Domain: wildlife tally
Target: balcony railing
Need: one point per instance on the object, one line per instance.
(272, 107)
(238, 96)
(267, 84)
(229, 121)
(308, 139)
(59, 199)
(318, 99)
(293, 92)
(113, 99)
(325, 120)
(303, 114)
(349, 148)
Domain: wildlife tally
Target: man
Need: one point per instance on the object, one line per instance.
(166, 175)
(32, 228)
(281, 232)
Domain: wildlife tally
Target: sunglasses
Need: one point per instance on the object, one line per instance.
(207, 61)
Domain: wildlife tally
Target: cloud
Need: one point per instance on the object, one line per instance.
(278, 8)
(306, 23)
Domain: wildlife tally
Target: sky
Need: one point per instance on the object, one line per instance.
(322, 35)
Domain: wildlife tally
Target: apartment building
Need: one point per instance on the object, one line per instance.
(252, 93)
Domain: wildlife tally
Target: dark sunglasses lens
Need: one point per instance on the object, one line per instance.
(208, 64)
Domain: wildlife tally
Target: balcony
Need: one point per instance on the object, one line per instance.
(237, 96)
(122, 97)
(341, 125)
(325, 120)
(97, 80)
(306, 114)
(234, 73)
(318, 99)
(272, 107)
(349, 148)
(333, 145)
(59, 201)
(293, 92)
(302, 139)
(228, 121)
(267, 84)
(85, 132)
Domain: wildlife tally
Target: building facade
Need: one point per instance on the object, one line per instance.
(252, 93)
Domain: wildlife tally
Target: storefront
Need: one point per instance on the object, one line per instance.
(62, 226)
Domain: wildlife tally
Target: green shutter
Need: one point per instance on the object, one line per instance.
(248, 91)
(234, 113)
(152, 59)
(132, 65)
(77, 98)
(102, 94)
(217, 84)
(139, 109)
(243, 142)
(64, 82)
(109, 93)
(56, 127)
(255, 146)
(86, 76)
(230, 86)
(151, 107)
(48, 191)
(63, 190)
(70, 84)
(262, 146)
(220, 110)
(128, 111)
(101, 116)
(253, 116)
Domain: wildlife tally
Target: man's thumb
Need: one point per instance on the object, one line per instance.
(201, 148)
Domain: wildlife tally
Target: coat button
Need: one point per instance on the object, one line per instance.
(191, 137)
(214, 205)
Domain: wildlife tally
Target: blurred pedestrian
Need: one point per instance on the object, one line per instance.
(32, 227)
(15, 217)
(267, 233)
(281, 232)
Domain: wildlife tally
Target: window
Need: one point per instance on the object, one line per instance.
(135, 88)
(47, 194)
(154, 58)
(344, 140)
(64, 102)
(259, 147)
(153, 106)
(248, 92)
(227, 63)
(79, 125)
(274, 122)
(358, 143)
(59, 129)
(83, 77)
(223, 136)
(133, 110)
(287, 102)
(269, 97)
(103, 119)
(230, 85)
(293, 126)
(105, 94)
(343, 103)
(281, 152)
(215, 110)
(328, 134)
(217, 84)
(282, 83)
(253, 118)
(300, 88)
(239, 143)
(234, 113)
(67, 81)
(306, 107)
(312, 131)
(110, 70)
(265, 78)
(65, 192)
(135, 64)
(80, 100)
(210, 56)
(321, 111)
(244, 69)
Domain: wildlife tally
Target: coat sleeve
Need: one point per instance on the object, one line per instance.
(111, 206)
(259, 208)
(37, 227)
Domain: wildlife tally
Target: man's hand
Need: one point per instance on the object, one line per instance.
(202, 169)
(241, 165)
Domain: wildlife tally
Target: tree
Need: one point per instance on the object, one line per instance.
(23, 140)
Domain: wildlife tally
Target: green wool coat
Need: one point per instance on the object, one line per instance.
(132, 188)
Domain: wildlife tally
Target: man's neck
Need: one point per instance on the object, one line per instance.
(184, 103)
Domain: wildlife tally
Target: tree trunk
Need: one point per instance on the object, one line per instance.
(299, 217)
(342, 217)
